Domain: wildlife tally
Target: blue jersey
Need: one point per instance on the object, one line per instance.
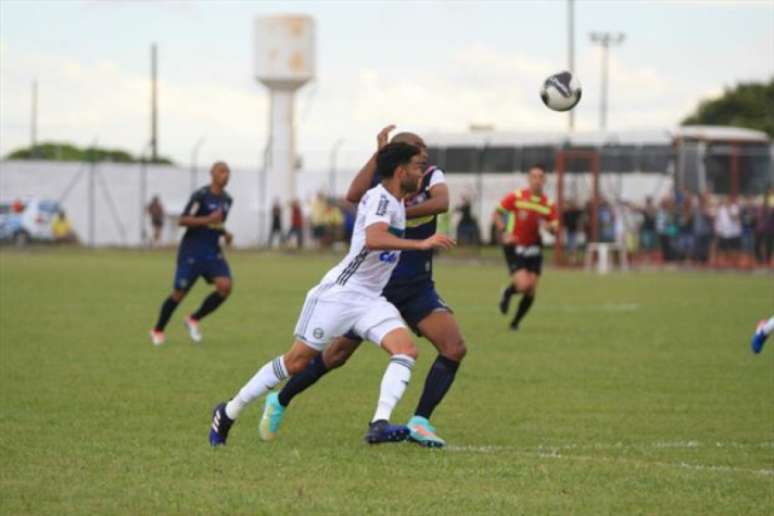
(416, 266)
(202, 242)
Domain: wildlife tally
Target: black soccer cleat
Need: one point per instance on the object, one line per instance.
(221, 424)
(382, 431)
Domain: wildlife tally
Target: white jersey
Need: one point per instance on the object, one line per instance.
(365, 271)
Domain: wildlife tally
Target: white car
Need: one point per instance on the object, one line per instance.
(33, 223)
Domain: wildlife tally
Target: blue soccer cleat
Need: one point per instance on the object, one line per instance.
(273, 412)
(221, 424)
(382, 431)
(423, 433)
(759, 338)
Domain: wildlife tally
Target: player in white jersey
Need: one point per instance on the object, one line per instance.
(349, 298)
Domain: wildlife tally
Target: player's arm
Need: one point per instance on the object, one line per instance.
(438, 202)
(188, 219)
(378, 238)
(552, 221)
(364, 178)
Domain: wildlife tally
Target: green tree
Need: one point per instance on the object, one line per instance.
(60, 151)
(748, 105)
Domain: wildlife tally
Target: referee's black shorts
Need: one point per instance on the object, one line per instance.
(529, 257)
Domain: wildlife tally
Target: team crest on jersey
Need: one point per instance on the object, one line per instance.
(318, 333)
(388, 257)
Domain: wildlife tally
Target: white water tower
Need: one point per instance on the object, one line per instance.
(284, 61)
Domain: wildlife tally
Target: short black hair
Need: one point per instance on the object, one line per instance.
(538, 165)
(391, 156)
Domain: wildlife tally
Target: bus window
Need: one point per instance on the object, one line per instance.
(655, 158)
(461, 159)
(435, 157)
(619, 158)
(752, 166)
(534, 155)
(499, 159)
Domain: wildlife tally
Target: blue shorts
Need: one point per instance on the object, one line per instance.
(414, 302)
(189, 270)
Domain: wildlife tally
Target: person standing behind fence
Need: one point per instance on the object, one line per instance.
(276, 224)
(296, 224)
(728, 230)
(764, 230)
(200, 254)
(156, 213)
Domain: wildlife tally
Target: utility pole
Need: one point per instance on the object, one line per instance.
(605, 40)
(154, 142)
(34, 121)
(571, 53)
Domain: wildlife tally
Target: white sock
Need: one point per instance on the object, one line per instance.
(267, 377)
(768, 326)
(394, 383)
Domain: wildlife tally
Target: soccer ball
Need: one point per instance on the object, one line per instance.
(561, 91)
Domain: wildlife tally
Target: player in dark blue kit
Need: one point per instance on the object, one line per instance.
(412, 291)
(200, 254)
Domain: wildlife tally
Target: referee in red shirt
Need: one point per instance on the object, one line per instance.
(526, 210)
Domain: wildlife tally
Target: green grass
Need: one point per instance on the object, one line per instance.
(630, 393)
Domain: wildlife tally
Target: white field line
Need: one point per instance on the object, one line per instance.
(554, 452)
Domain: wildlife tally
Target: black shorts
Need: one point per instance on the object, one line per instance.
(730, 244)
(524, 257)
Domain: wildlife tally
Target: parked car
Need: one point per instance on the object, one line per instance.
(32, 224)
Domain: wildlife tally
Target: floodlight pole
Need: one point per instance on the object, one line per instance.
(571, 53)
(332, 171)
(605, 40)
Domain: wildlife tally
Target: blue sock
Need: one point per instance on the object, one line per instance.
(438, 382)
(209, 305)
(303, 380)
(167, 307)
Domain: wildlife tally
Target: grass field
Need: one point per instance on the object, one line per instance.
(630, 393)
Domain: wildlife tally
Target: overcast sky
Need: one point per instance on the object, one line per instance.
(426, 66)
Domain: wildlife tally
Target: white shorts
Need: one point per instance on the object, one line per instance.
(327, 314)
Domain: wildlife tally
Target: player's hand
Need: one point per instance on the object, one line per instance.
(437, 241)
(228, 237)
(384, 136)
(215, 217)
(508, 239)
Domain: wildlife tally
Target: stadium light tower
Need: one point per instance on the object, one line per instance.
(605, 40)
(284, 61)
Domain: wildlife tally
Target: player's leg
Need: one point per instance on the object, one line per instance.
(219, 274)
(267, 377)
(335, 355)
(512, 262)
(441, 329)
(185, 277)
(526, 281)
(762, 332)
(397, 341)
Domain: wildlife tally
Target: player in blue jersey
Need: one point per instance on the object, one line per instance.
(412, 291)
(200, 254)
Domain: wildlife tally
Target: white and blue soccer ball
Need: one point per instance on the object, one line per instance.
(561, 91)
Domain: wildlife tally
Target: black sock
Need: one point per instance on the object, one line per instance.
(524, 304)
(301, 381)
(510, 290)
(438, 381)
(209, 305)
(167, 307)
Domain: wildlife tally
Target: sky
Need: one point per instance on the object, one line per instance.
(426, 66)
